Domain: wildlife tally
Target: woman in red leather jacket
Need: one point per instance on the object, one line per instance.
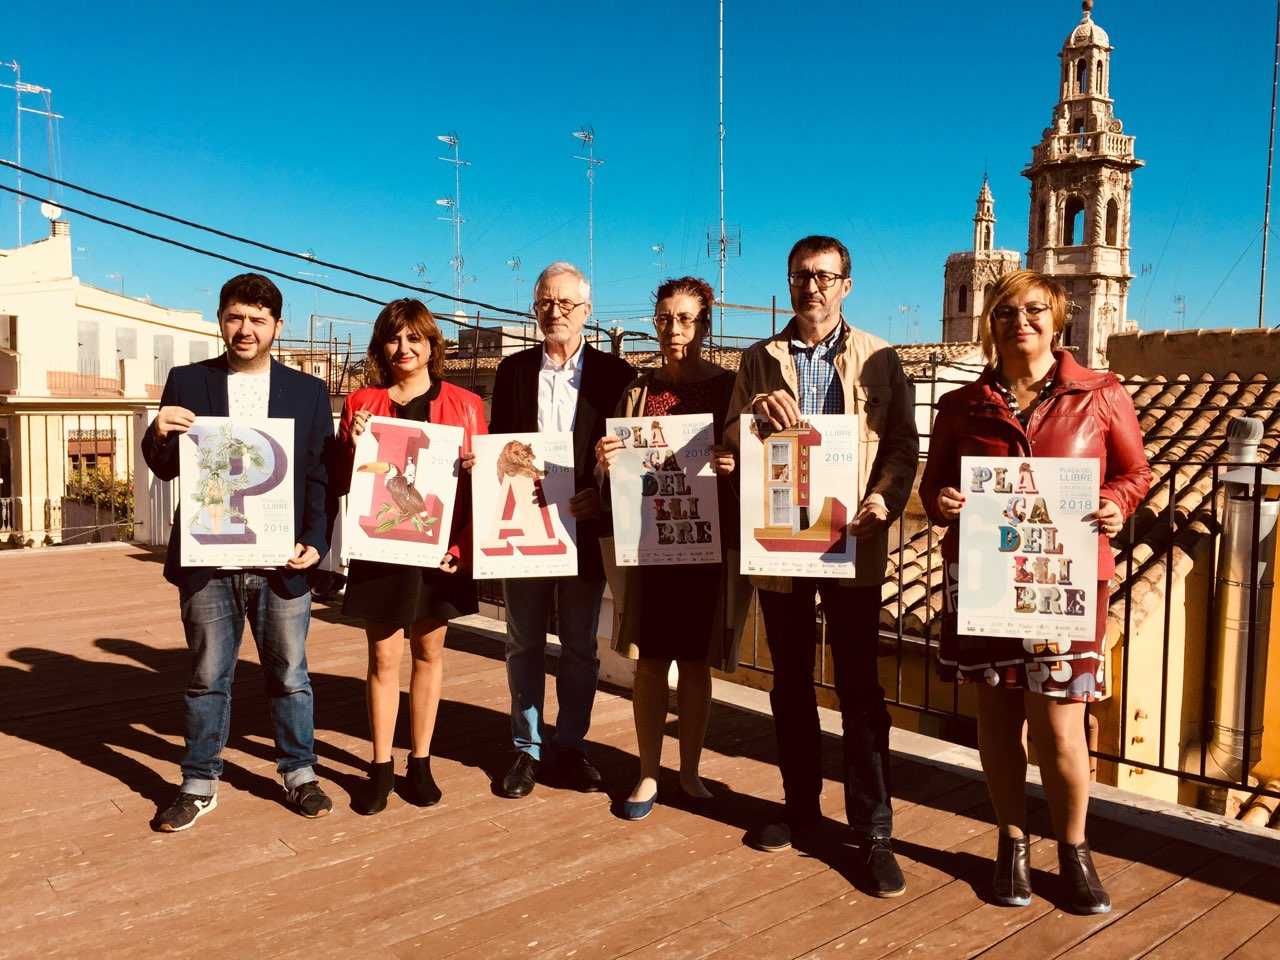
(1034, 399)
(406, 361)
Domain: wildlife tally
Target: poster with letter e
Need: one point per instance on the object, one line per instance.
(235, 489)
(799, 492)
(663, 491)
(521, 485)
(1028, 559)
(403, 485)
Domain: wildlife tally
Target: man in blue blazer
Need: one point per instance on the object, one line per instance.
(215, 602)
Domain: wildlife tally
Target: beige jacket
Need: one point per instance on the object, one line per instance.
(875, 388)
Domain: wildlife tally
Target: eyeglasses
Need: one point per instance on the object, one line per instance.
(1008, 313)
(566, 306)
(682, 321)
(825, 279)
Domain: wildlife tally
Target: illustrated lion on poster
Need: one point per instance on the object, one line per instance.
(516, 460)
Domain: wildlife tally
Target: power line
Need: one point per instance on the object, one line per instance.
(149, 211)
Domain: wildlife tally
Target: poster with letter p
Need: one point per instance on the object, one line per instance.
(1028, 559)
(235, 489)
(403, 486)
(799, 493)
(663, 491)
(521, 486)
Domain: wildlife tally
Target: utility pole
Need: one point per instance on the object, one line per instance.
(588, 136)
(19, 88)
(454, 204)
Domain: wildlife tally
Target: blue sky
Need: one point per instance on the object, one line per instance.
(313, 126)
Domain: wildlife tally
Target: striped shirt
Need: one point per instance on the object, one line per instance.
(820, 389)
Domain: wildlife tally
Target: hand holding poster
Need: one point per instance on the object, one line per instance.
(1028, 559)
(521, 486)
(235, 488)
(799, 493)
(663, 491)
(403, 487)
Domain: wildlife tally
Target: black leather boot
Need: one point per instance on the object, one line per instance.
(420, 786)
(1011, 886)
(382, 777)
(1083, 890)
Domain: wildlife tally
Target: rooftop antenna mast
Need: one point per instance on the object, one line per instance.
(454, 204)
(1271, 148)
(588, 136)
(19, 88)
(728, 240)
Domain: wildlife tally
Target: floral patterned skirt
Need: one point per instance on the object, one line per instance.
(1062, 670)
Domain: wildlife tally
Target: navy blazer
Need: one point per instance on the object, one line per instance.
(514, 409)
(202, 389)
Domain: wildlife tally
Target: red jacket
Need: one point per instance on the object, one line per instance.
(453, 406)
(1087, 413)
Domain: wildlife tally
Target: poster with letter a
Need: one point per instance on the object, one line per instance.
(1028, 559)
(521, 486)
(403, 486)
(799, 493)
(235, 489)
(663, 490)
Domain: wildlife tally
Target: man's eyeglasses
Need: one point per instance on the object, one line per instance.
(825, 279)
(681, 321)
(566, 306)
(1008, 313)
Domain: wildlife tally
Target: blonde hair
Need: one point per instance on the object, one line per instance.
(1010, 286)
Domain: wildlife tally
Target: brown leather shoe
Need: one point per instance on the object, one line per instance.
(1083, 890)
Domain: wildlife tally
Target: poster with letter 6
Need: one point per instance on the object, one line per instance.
(521, 486)
(235, 490)
(799, 492)
(403, 486)
(663, 491)
(1028, 559)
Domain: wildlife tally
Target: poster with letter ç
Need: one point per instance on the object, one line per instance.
(521, 485)
(663, 491)
(1028, 559)
(235, 492)
(404, 482)
(799, 491)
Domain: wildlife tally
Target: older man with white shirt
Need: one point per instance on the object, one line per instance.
(564, 385)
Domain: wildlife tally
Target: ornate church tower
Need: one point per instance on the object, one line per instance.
(970, 274)
(1081, 177)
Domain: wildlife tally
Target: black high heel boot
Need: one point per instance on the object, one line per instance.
(382, 777)
(1011, 886)
(420, 787)
(1083, 889)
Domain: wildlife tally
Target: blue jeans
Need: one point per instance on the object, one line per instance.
(578, 612)
(213, 618)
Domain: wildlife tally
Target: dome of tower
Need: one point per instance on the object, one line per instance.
(1088, 33)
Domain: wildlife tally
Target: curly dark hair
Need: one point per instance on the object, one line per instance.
(690, 286)
(253, 290)
(413, 314)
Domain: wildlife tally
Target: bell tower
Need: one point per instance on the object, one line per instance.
(1081, 177)
(970, 274)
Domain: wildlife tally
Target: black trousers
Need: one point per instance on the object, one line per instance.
(853, 620)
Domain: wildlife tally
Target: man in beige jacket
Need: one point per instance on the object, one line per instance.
(819, 364)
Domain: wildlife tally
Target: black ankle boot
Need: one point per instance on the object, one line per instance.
(1081, 886)
(1011, 886)
(382, 777)
(420, 787)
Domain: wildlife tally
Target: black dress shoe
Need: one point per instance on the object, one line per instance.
(373, 795)
(1084, 891)
(1011, 886)
(574, 771)
(881, 875)
(520, 779)
(420, 786)
(781, 835)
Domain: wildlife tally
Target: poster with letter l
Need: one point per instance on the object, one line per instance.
(663, 491)
(403, 485)
(799, 492)
(235, 490)
(521, 486)
(1028, 559)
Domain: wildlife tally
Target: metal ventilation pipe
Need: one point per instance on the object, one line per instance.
(1239, 667)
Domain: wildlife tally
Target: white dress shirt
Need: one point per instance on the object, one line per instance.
(558, 387)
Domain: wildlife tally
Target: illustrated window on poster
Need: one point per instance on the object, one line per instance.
(780, 462)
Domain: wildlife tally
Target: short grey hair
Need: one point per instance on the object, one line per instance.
(562, 267)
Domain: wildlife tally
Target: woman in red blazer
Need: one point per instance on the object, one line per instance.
(406, 361)
(1034, 400)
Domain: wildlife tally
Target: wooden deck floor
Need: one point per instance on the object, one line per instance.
(92, 664)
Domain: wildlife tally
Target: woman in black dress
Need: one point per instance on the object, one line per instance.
(405, 363)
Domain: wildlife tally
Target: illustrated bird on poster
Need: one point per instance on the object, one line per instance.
(406, 502)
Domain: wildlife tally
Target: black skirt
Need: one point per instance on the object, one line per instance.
(395, 593)
(676, 606)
